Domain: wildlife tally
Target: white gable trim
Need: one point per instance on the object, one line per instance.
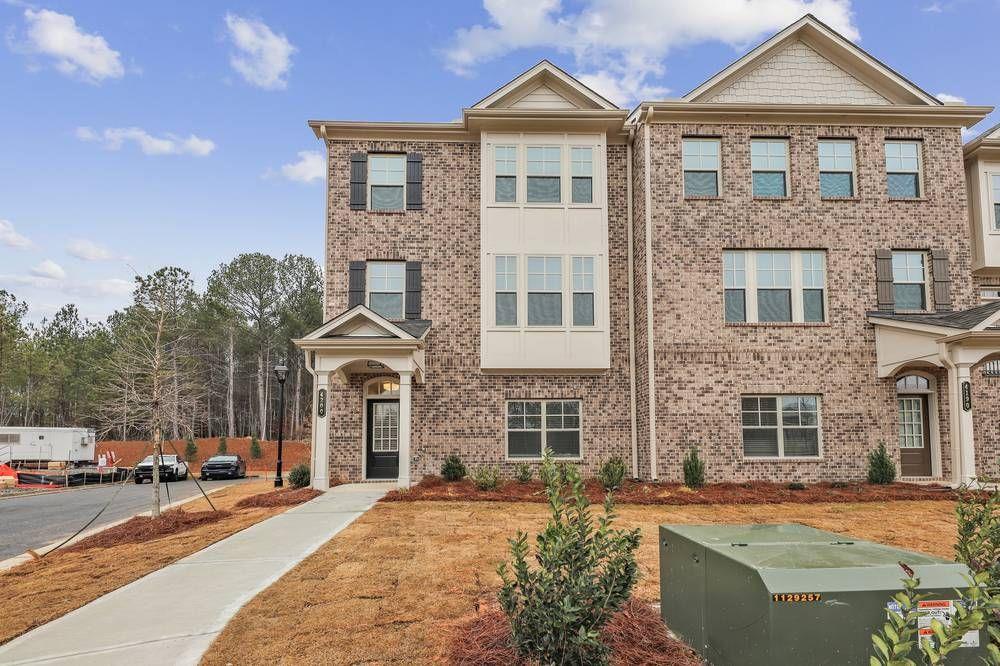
(831, 45)
(547, 73)
(358, 318)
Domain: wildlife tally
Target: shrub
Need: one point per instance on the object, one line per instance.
(299, 476)
(190, 450)
(978, 517)
(881, 469)
(486, 477)
(612, 473)
(796, 485)
(523, 472)
(453, 468)
(584, 571)
(694, 469)
(565, 469)
(223, 449)
(548, 473)
(255, 451)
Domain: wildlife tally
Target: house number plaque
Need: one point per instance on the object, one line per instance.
(321, 407)
(966, 396)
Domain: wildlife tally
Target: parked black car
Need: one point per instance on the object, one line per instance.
(223, 467)
(172, 468)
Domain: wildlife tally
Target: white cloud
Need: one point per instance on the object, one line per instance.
(310, 167)
(619, 45)
(88, 250)
(263, 58)
(169, 144)
(933, 8)
(108, 287)
(945, 97)
(49, 270)
(76, 53)
(10, 237)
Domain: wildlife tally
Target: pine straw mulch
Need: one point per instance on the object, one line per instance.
(636, 635)
(141, 529)
(434, 488)
(280, 497)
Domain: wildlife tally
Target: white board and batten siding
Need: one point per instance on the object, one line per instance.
(47, 444)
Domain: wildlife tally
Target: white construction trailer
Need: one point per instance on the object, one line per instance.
(70, 445)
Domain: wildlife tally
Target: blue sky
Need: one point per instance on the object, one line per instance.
(151, 134)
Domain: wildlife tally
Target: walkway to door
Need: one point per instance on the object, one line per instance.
(173, 615)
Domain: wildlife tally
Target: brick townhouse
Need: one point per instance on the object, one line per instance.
(792, 263)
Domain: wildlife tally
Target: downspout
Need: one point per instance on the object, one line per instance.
(631, 305)
(649, 299)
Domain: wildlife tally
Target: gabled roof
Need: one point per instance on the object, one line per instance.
(988, 140)
(544, 86)
(360, 322)
(977, 318)
(864, 77)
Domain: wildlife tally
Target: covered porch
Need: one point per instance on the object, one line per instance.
(914, 349)
(389, 355)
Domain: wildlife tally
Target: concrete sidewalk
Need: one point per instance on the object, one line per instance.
(172, 615)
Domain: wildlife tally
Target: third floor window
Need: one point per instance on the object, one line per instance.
(902, 169)
(769, 165)
(836, 169)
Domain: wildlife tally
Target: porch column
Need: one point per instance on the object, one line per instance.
(405, 377)
(967, 445)
(320, 466)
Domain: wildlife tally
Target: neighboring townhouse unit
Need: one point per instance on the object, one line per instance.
(776, 268)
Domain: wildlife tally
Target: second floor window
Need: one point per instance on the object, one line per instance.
(836, 169)
(909, 280)
(995, 189)
(386, 280)
(767, 286)
(506, 174)
(544, 291)
(769, 165)
(386, 181)
(700, 160)
(902, 169)
(544, 169)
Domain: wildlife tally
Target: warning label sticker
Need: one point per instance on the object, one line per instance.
(941, 610)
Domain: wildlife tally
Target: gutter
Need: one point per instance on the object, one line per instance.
(631, 306)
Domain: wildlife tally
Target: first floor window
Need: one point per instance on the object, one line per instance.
(386, 181)
(543, 175)
(385, 288)
(506, 291)
(909, 280)
(536, 425)
(780, 426)
(774, 285)
(544, 291)
(583, 291)
(836, 169)
(902, 168)
(700, 161)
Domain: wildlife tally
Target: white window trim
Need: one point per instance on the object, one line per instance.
(797, 288)
(369, 291)
(563, 171)
(562, 291)
(853, 171)
(566, 291)
(919, 172)
(718, 167)
(786, 171)
(518, 260)
(928, 306)
(780, 428)
(506, 430)
(989, 298)
(517, 174)
(573, 290)
(994, 225)
(369, 184)
(593, 176)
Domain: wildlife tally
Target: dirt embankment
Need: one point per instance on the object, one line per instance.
(292, 453)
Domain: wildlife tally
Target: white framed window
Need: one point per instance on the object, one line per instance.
(582, 175)
(909, 280)
(386, 181)
(505, 174)
(544, 174)
(769, 167)
(536, 425)
(700, 161)
(766, 286)
(386, 286)
(902, 169)
(583, 291)
(506, 290)
(988, 294)
(781, 426)
(545, 291)
(836, 169)
(995, 199)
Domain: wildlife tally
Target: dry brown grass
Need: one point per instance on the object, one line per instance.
(397, 583)
(42, 590)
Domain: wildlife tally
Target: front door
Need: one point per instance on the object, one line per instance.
(382, 440)
(914, 436)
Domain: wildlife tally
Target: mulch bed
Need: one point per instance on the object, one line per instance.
(145, 528)
(281, 497)
(434, 488)
(636, 636)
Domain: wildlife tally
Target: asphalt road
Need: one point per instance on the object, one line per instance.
(32, 521)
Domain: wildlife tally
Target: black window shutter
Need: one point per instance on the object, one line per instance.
(359, 181)
(942, 280)
(883, 278)
(414, 181)
(356, 284)
(413, 290)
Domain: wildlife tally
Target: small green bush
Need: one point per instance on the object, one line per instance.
(299, 476)
(796, 485)
(190, 450)
(612, 473)
(694, 469)
(881, 469)
(223, 449)
(453, 469)
(523, 472)
(486, 477)
(548, 473)
(255, 451)
(566, 469)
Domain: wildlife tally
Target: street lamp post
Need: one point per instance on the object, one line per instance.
(280, 371)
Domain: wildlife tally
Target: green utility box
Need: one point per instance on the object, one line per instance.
(791, 594)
